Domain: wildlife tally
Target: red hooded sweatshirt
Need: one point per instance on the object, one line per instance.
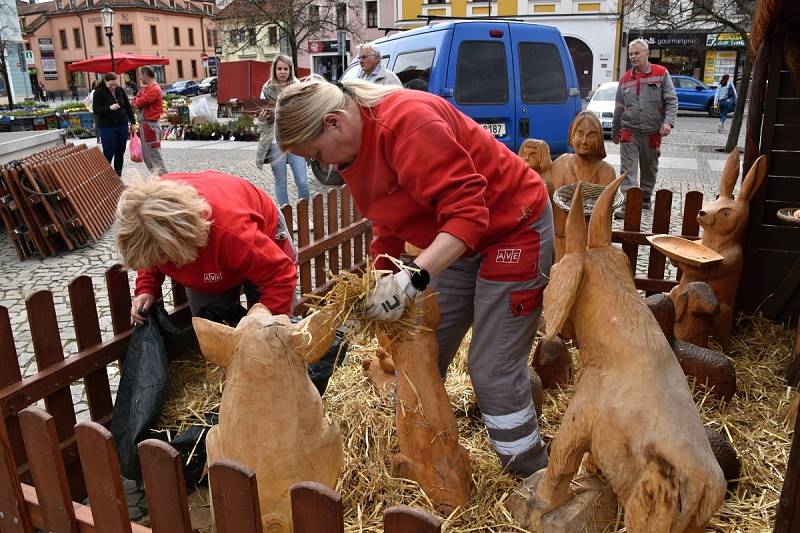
(424, 168)
(149, 101)
(241, 245)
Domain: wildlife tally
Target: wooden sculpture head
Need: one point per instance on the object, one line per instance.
(586, 136)
(536, 154)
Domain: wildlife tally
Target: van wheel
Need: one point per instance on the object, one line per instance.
(326, 176)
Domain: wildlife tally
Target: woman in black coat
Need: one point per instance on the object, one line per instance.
(114, 117)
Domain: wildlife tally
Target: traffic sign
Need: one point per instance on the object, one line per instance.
(204, 56)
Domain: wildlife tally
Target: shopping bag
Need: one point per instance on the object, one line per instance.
(135, 148)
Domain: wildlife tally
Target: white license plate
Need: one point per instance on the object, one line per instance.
(498, 129)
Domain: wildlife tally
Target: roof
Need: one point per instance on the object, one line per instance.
(49, 8)
(240, 9)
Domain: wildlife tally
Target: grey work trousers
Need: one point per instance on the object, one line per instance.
(639, 155)
(150, 136)
(504, 316)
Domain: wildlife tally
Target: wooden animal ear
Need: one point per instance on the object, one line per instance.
(259, 309)
(562, 291)
(730, 175)
(217, 341)
(600, 221)
(575, 227)
(313, 335)
(755, 177)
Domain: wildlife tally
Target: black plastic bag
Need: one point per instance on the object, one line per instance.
(144, 384)
(321, 371)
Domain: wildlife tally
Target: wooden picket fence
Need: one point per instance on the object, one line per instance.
(66, 462)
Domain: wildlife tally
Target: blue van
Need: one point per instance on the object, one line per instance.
(516, 79)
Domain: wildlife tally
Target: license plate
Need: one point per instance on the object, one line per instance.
(498, 129)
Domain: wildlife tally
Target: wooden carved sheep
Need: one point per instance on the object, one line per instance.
(632, 409)
(723, 221)
(271, 415)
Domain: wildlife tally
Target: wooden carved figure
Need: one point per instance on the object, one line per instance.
(271, 415)
(536, 153)
(632, 409)
(723, 221)
(586, 164)
(426, 426)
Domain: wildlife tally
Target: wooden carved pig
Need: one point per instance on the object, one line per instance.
(271, 415)
(632, 409)
(427, 432)
(723, 221)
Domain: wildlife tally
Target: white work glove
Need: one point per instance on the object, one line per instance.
(389, 298)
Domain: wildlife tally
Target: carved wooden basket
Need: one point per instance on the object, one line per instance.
(590, 192)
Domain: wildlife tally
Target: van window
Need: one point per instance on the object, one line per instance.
(482, 73)
(541, 73)
(414, 65)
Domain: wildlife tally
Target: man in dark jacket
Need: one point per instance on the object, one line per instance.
(114, 119)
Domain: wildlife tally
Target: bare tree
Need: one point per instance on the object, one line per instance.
(9, 44)
(296, 21)
(732, 16)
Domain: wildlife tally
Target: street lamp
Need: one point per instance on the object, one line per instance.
(108, 23)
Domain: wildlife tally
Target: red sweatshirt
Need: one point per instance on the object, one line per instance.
(149, 101)
(241, 245)
(424, 168)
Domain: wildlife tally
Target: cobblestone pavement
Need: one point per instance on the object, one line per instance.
(689, 162)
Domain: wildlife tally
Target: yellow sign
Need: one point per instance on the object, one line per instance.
(719, 63)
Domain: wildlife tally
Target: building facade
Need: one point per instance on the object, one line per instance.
(61, 32)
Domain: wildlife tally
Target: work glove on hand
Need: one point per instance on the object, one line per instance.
(389, 298)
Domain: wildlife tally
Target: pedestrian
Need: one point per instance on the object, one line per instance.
(211, 232)
(371, 69)
(149, 103)
(73, 87)
(724, 100)
(645, 112)
(43, 91)
(282, 75)
(426, 174)
(115, 119)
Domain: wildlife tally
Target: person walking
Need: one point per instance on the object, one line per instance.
(149, 103)
(426, 174)
(725, 100)
(282, 76)
(369, 58)
(115, 119)
(43, 91)
(73, 87)
(645, 112)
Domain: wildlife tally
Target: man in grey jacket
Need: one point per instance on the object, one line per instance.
(371, 69)
(645, 112)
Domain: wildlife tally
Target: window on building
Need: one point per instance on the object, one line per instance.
(176, 32)
(62, 36)
(659, 8)
(251, 37)
(161, 76)
(180, 68)
(437, 1)
(98, 36)
(207, 8)
(313, 18)
(341, 16)
(76, 34)
(194, 68)
(89, 3)
(208, 38)
(413, 65)
(126, 33)
(152, 3)
(272, 35)
(702, 7)
(541, 73)
(72, 4)
(191, 36)
(372, 14)
(171, 3)
(22, 24)
(473, 86)
(153, 34)
(214, 38)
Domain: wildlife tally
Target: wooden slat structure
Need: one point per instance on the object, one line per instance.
(58, 199)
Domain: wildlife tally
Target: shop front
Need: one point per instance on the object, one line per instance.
(681, 53)
(725, 54)
(326, 59)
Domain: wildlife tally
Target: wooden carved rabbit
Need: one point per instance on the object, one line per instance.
(723, 221)
(632, 409)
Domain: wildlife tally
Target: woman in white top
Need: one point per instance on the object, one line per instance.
(725, 100)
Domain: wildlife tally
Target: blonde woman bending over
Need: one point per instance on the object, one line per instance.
(426, 174)
(211, 232)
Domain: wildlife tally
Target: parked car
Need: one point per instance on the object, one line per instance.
(184, 88)
(208, 85)
(602, 104)
(694, 95)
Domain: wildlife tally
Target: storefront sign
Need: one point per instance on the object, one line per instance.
(48, 55)
(325, 47)
(29, 60)
(665, 40)
(150, 18)
(724, 40)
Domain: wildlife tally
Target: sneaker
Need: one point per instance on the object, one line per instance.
(720, 129)
(619, 214)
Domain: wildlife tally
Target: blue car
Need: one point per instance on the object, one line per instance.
(694, 95)
(184, 88)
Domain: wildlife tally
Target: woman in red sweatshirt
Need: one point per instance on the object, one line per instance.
(426, 174)
(211, 232)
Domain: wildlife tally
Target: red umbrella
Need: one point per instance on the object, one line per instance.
(122, 63)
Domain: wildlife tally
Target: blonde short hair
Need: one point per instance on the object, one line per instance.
(599, 148)
(543, 161)
(161, 221)
(302, 106)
